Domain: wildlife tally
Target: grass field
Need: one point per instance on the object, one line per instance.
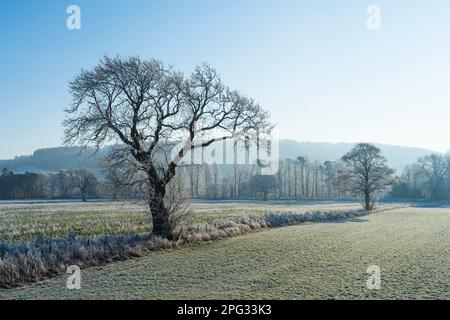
(26, 222)
(309, 261)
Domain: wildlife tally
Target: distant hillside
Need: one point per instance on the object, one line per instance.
(55, 159)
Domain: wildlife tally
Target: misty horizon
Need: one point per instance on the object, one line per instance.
(281, 139)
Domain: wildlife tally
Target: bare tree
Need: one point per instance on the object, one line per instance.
(329, 171)
(280, 176)
(365, 172)
(302, 161)
(6, 172)
(264, 184)
(307, 176)
(289, 175)
(315, 171)
(243, 175)
(81, 180)
(146, 107)
(435, 168)
(215, 176)
(427, 178)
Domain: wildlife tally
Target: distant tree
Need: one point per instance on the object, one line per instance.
(365, 173)
(121, 178)
(281, 174)
(316, 170)
(302, 160)
(6, 172)
(435, 168)
(428, 178)
(264, 184)
(114, 182)
(81, 180)
(242, 176)
(53, 185)
(146, 107)
(22, 186)
(329, 171)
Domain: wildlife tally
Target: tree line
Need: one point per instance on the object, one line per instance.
(70, 183)
(426, 179)
(296, 179)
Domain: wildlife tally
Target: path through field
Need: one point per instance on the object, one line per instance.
(310, 261)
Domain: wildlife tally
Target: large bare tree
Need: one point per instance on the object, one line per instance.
(365, 173)
(148, 109)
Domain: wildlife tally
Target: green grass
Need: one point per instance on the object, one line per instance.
(23, 222)
(309, 261)
(28, 222)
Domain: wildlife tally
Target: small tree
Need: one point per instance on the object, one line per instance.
(81, 180)
(435, 168)
(6, 172)
(264, 184)
(365, 173)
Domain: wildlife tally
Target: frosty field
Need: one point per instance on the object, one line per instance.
(26, 222)
(325, 260)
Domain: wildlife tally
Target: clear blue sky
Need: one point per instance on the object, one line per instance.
(314, 64)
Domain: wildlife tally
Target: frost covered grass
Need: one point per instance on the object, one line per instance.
(31, 259)
(27, 222)
(230, 228)
(308, 261)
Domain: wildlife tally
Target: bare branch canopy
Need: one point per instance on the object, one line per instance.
(149, 108)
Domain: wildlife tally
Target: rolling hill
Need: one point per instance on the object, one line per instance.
(55, 159)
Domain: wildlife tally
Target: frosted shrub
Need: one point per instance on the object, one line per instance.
(291, 218)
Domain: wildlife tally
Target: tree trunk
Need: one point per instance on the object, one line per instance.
(160, 214)
(235, 168)
(367, 200)
(83, 196)
(289, 180)
(295, 182)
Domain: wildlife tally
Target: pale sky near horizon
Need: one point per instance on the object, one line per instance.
(315, 65)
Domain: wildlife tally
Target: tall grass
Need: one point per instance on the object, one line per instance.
(46, 257)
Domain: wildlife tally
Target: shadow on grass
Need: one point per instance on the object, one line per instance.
(356, 219)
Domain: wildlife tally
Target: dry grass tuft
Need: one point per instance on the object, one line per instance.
(33, 261)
